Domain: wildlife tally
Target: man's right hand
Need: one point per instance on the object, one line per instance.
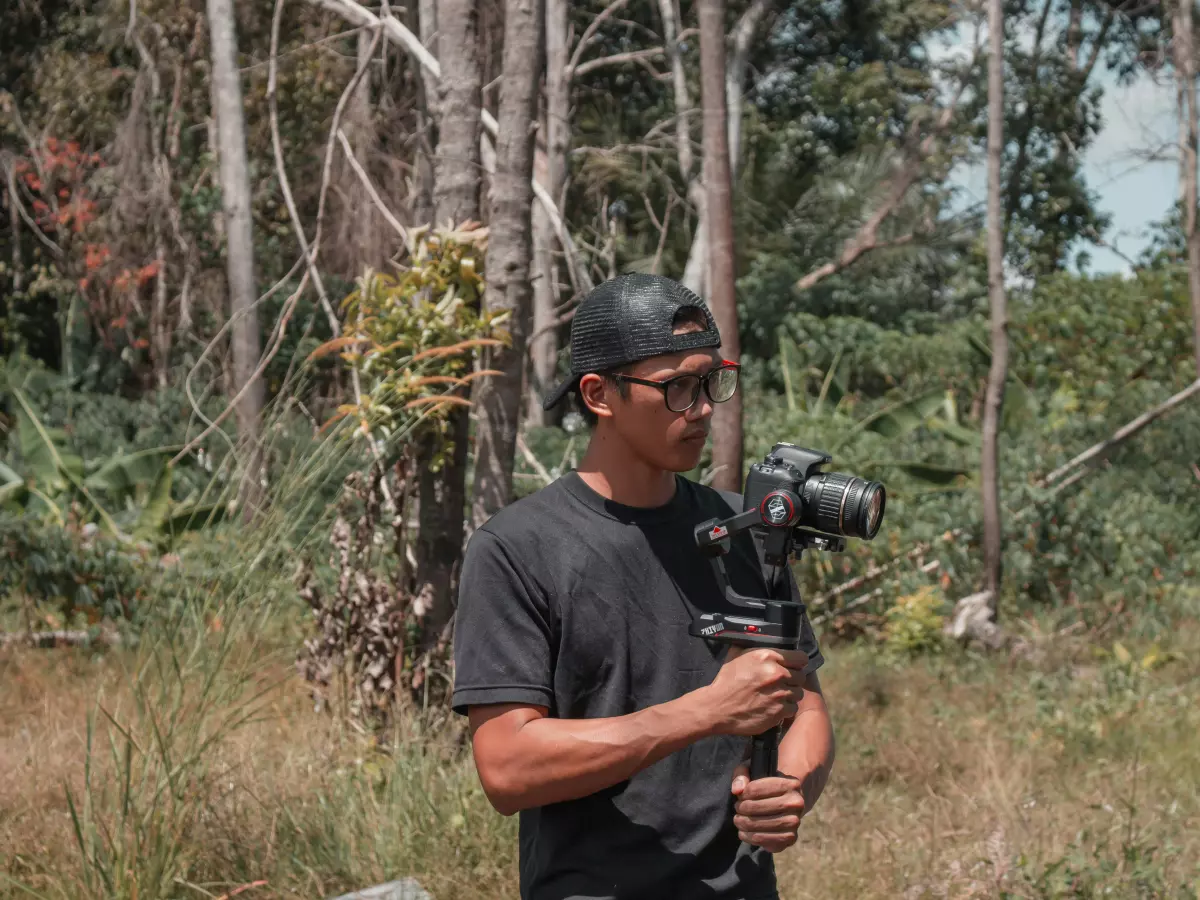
(756, 689)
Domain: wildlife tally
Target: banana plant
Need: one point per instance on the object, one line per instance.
(826, 412)
(127, 495)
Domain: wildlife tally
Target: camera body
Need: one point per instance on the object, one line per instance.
(828, 502)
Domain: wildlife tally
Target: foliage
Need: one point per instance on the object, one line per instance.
(914, 622)
(68, 577)
(413, 336)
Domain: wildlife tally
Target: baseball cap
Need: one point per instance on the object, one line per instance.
(627, 319)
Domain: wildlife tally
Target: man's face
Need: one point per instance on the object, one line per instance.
(673, 441)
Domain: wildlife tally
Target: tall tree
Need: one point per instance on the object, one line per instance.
(235, 203)
(509, 250)
(718, 190)
(556, 127)
(998, 373)
(1184, 50)
(442, 492)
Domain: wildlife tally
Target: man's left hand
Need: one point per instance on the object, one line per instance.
(768, 811)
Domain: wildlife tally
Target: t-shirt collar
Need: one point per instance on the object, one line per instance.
(579, 488)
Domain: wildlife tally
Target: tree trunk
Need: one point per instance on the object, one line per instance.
(694, 273)
(510, 247)
(425, 13)
(557, 131)
(998, 373)
(235, 203)
(1185, 71)
(456, 199)
(718, 185)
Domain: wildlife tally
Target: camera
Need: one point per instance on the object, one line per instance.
(789, 490)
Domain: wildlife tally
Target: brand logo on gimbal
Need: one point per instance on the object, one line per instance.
(712, 629)
(777, 511)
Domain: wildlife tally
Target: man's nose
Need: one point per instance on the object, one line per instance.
(701, 409)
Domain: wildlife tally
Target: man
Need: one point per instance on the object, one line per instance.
(617, 736)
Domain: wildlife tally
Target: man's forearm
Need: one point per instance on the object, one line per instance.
(553, 760)
(807, 749)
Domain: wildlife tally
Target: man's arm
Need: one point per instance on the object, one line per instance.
(527, 759)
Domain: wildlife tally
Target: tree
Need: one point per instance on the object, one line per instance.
(718, 192)
(998, 371)
(442, 490)
(1184, 51)
(235, 203)
(508, 258)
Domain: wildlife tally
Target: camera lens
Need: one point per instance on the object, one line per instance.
(844, 505)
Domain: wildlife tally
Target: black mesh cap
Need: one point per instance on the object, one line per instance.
(627, 319)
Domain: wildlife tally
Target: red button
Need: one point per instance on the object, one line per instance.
(752, 628)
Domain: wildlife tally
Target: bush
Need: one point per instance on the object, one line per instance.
(73, 576)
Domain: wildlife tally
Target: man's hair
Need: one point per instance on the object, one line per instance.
(687, 319)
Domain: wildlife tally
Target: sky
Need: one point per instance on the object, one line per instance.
(1136, 117)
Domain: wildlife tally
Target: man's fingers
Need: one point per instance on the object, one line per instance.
(774, 786)
(788, 805)
(767, 825)
(772, 843)
(796, 660)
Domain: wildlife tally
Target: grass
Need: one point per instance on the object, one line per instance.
(1076, 775)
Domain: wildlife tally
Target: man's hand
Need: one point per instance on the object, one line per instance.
(768, 810)
(756, 689)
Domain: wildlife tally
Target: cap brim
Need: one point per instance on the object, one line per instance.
(556, 395)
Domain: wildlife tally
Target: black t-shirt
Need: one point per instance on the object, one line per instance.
(571, 601)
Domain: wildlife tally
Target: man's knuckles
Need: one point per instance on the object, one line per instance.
(771, 786)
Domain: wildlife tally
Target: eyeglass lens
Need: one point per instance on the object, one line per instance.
(684, 391)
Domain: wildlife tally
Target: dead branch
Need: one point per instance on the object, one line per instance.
(1122, 434)
(573, 67)
(20, 207)
(617, 59)
(403, 37)
(866, 238)
(310, 255)
(280, 330)
(864, 242)
(57, 638)
(370, 188)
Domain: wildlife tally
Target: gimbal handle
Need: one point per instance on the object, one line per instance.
(778, 628)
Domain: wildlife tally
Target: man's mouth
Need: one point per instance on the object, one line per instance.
(699, 436)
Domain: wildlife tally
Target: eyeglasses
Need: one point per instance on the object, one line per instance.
(682, 391)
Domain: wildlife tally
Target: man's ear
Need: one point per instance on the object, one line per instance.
(596, 393)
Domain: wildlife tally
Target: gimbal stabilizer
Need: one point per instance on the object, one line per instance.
(784, 493)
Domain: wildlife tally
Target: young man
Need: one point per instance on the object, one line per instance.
(617, 736)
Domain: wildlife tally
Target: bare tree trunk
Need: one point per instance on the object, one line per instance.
(718, 184)
(1185, 71)
(235, 203)
(457, 166)
(557, 131)
(510, 247)
(425, 12)
(998, 373)
(748, 25)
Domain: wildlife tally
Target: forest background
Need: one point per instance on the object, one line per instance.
(282, 284)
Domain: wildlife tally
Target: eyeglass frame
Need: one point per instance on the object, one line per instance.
(703, 384)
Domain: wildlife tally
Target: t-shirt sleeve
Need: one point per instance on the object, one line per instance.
(502, 631)
(808, 637)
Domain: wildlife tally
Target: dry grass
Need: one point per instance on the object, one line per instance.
(955, 778)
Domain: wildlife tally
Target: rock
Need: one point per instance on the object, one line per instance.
(972, 620)
(404, 889)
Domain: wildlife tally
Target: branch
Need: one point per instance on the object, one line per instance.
(866, 238)
(589, 33)
(366, 182)
(310, 255)
(863, 243)
(401, 36)
(1122, 434)
(615, 60)
(20, 207)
